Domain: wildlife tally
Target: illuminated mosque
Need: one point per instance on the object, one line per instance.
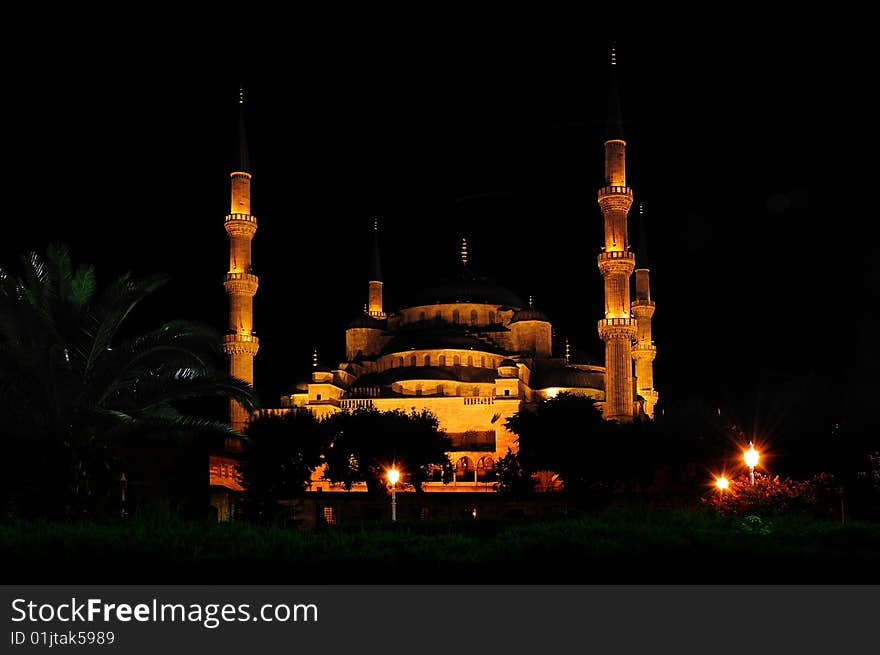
(464, 348)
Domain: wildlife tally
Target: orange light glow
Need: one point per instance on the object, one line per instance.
(722, 483)
(751, 456)
(393, 476)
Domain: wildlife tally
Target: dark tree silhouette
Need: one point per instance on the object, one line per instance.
(280, 455)
(72, 390)
(365, 443)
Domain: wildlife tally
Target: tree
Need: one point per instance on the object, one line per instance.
(366, 442)
(512, 478)
(565, 434)
(72, 389)
(280, 455)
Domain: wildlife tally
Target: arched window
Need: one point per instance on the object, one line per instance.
(418, 390)
(427, 360)
(470, 360)
(464, 470)
(491, 318)
(440, 389)
(476, 391)
(400, 362)
(422, 316)
(483, 361)
(438, 316)
(412, 360)
(442, 360)
(456, 317)
(473, 317)
(485, 469)
(456, 360)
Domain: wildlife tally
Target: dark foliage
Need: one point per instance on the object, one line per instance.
(365, 443)
(72, 389)
(280, 455)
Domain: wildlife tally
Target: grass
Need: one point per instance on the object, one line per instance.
(610, 548)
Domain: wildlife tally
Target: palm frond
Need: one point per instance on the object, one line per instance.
(111, 310)
(170, 386)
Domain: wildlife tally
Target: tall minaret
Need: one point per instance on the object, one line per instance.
(374, 307)
(241, 284)
(616, 263)
(644, 351)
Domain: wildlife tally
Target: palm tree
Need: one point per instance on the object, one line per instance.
(71, 388)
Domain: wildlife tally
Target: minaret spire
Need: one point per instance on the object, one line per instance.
(375, 282)
(243, 160)
(616, 263)
(614, 124)
(241, 284)
(464, 253)
(644, 351)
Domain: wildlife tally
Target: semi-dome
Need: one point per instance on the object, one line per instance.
(507, 362)
(529, 314)
(570, 377)
(465, 289)
(427, 340)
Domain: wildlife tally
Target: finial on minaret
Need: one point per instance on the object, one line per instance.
(243, 160)
(567, 351)
(614, 126)
(464, 252)
(315, 357)
(531, 302)
(642, 241)
(375, 260)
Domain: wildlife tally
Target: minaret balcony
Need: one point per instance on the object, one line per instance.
(241, 225)
(617, 328)
(642, 308)
(240, 344)
(615, 191)
(241, 284)
(615, 261)
(615, 198)
(644, 350)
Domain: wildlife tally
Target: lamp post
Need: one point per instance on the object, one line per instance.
(393, 477)
(751, 457)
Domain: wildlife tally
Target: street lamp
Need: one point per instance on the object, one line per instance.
(751, 456)
(722, 483)
(393, 477)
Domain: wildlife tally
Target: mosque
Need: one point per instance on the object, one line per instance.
(470, 351)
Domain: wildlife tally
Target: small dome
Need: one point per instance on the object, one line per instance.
(529, 314)
(507, 362)
(364, 321)
(569, 377)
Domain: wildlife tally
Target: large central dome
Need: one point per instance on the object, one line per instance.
(465, 288)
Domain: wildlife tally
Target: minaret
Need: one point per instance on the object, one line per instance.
(375, 299)
(241, 284)
(644, 351)
(616, 263)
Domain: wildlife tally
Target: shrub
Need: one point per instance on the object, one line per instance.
(772, 496)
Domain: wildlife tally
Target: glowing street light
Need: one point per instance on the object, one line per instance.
(393, 476)
(722, 483)
(751, 456)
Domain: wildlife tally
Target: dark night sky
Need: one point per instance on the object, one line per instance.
(756, 159)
